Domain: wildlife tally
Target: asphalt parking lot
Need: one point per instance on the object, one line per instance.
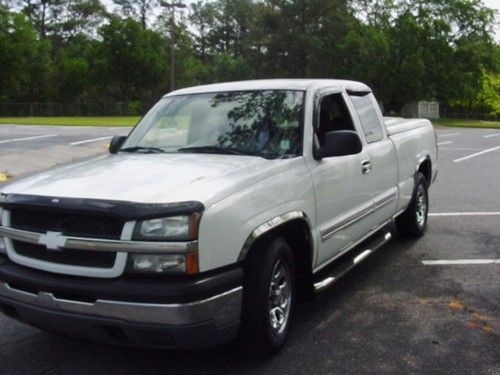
(426, 306)
(26, 149)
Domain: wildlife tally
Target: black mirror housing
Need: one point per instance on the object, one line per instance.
(116, 143)
(340, 143)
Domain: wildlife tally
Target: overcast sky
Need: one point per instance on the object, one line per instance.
(495, 4)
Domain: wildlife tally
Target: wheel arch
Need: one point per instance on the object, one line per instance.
(295, 227)
(424, 166)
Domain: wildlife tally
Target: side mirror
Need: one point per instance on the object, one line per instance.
(116, 143)
(340, 143)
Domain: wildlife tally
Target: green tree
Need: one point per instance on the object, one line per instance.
(135, 60)
(432, 42)
(62, 18)
(81, 17)
(202, 18)
(74, 72)
(73, 51)
(139, 10)
(43, 14)
(365, 43)
(18, 46)
(489, 95)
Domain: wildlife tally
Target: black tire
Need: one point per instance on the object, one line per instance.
(262, 298)
(412, 223)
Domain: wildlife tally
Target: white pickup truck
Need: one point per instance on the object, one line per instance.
(223, 206)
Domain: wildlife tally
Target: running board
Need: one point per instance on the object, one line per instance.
(350, 260)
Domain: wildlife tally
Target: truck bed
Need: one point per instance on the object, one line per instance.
(396, 125)
(414, 140)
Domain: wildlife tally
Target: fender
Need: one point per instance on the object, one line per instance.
(270, 225)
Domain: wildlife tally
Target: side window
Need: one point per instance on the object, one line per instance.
(333, 115)
(368, 117)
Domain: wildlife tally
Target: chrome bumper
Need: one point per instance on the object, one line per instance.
(221, 309)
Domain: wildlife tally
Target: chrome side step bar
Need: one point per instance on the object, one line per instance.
(354, 257)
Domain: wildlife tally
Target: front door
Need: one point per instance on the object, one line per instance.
(342, 187)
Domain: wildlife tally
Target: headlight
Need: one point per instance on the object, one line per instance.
(173, 228)
(164, 264)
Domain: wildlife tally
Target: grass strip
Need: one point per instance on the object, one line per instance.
(462, 123)
(73, 121)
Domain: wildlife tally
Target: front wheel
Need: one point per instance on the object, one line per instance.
(269, 295)
(413, 222)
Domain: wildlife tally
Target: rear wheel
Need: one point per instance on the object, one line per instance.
(269, 295)
(413, 222)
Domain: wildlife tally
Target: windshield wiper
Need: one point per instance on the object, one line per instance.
(143, 149)
(213, 150)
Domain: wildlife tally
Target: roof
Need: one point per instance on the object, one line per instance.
(273, 84)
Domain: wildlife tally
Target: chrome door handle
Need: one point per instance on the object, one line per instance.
(366, 166)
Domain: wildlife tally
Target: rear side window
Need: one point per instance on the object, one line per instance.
(368, 117)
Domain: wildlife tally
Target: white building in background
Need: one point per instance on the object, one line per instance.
(421, 109)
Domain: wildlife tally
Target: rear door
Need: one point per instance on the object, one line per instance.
(381, 159)
(343, 192)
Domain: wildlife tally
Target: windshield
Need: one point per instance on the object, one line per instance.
(264, 123)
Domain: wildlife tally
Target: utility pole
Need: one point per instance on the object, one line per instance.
(172, 6)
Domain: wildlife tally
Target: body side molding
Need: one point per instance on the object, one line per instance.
(329, 229)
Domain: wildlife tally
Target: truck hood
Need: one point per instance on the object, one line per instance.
(152, 178)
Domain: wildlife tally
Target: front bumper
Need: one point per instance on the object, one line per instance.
(181, 314)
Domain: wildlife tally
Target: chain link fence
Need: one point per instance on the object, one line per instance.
(470, 115)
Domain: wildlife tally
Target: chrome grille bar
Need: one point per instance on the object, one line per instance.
(94, 244)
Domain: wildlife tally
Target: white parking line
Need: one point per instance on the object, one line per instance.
(448, 134)
(445, 262)
(461, 148)
(444, 143)
(28, 138)
(90, 140)
(465, 214)
(491, 135)
(476, 154)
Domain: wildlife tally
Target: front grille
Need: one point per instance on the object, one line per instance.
(82, 258)
(70, 224)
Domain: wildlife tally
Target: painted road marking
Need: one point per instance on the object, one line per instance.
(444, 143)
(491, 135)
(465, 214)
(445, 262)
(476, 154)
(461, 148)
(448, 134)
(4, 176)
(90, 140)
(28, 138)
